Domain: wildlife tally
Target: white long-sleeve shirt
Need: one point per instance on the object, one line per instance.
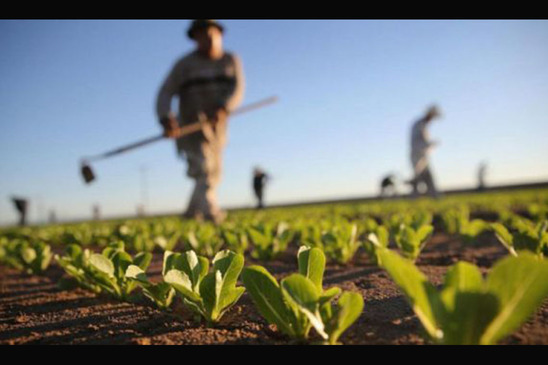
(421, 145)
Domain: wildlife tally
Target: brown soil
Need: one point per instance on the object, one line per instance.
(34, 311)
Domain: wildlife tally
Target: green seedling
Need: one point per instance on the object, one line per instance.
(469, 310)
(299, 303)
(412, 241)
(340, 243)
(30, 256)
(376, 240)
(268, 240)
(526, 236)
(208, 295)
(161, 294)
(109, 270)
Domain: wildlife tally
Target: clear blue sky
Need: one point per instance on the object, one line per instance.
(349, 91)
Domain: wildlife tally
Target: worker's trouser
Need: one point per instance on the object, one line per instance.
(204, 157)
(205, 167)
(426, 178)
(259, 196)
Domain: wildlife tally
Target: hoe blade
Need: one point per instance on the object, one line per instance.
(87, 174)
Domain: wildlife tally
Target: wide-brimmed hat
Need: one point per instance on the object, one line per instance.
(203, 24)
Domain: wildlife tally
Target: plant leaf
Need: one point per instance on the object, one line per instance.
(520, 285)
(312, 265)
(302, 293)
(420, 294)
(347, 310)
(266, 294)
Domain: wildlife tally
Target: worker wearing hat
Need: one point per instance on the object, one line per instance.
(209, 83)
(421, 148)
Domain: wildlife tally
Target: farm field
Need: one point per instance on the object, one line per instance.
(40, 303)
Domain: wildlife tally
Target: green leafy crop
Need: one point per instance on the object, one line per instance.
(76, 264)
(269, 240)
(108, 270)
(412, 241)
(340, 242)
(299, 303)
(209, 295)
(161, 294)
(525, 236)
(469, 310)
(204, 240)
(30, 256)
(376, 240)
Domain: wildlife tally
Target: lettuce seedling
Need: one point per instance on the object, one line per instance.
(457, 221)
(209, 295)
(268, 240)
(109, 270)
(340, 243)
(377, 239)
(204, 240)
(469, 310)
(32, 257)
(235, 239)
(167, 242)
(526, 236)
(299, 303)
(412, 241)
(161, 294)
(75, 262)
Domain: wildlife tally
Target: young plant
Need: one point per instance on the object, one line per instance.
(109, 270)
(469, 310)
(209, 295)
(412, 241)
(204, 240)
(340, 243)
(269, 241)
(76, 265)
(29, 256)
(299, 303)
(457, 221)
(376, 240)
(167, 242)
(161, 294)
(526, 237)
(235, 239)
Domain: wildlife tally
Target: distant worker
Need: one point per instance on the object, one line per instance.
(209, 83)
(421, 147)
(52, 217)
(21, 205)
(96, 213)
(388, 186)
(482, 171)
(260, 179)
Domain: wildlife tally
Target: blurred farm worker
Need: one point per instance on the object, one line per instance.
(482, 171)
(209, 83)
(260, 179)
(388, 186)
(421, 147)
(21, 205)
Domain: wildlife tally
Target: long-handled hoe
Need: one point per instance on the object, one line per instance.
(89, 175)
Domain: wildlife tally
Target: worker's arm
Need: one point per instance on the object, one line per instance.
(167, 118)
(236, 95)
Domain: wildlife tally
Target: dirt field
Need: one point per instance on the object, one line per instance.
(34, 311)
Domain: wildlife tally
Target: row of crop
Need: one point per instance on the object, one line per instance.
(466, 310)
(339, 239)
(165, 233)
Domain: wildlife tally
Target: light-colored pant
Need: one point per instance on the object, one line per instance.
(204, 155)
(425, 177)
(205, 167)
